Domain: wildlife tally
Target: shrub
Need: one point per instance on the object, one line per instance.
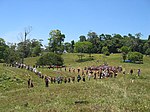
(50, 59)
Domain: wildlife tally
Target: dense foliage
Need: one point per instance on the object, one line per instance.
(92, 43)
(50, 59)
(115, 42)
(56, 41)
(17, 52)
(105, 51)
(135, 56)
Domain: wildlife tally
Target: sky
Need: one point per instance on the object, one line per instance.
(73, 18)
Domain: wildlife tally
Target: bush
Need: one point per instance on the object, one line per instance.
(135, 56)
(50, 59)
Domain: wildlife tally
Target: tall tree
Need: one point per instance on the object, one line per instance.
(36, 47)
(67, 46)
(24, 49)
(72, 46)
(24, 35)
(56, 41)
(105, 51)
(124, 50)
(94, 39)
(3, 47)
(83, 47)
(11, 54)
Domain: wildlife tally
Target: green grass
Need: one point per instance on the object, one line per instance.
(121, 94)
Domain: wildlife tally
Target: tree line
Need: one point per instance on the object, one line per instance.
(91, 43)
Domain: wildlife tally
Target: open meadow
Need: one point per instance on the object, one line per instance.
(125, 93)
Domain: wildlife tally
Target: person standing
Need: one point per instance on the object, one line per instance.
(131, 71)
(69, 80)
(65, 80)
(94, 75)
(139, 72)
(29, 83)
(78, 78)
(46, 81)
(83, 77)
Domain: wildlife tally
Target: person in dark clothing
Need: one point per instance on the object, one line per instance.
(58, 80)
(78, 78)
(29, 83)
(69, 80)
(46, 81)
(51, 79)
(131, 71)
(95, 75)
(65, 80)
(83, 78)
(73, 79)
(100, 75)
(54, 79)
(78, 70)
(115, 74)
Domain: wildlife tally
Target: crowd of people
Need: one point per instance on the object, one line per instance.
(99, 72)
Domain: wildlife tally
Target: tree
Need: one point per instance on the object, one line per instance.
(146, 46)
(36, 51)
(124, 56)
(115, 43)
(105, 51)
(67, 47)
(83, 47)
(135, 56)
(101, 37)
(138, 35)
(124, 50)
(50, 59)
(36, 47)
(95, 40)
(72, 46)
(11, 55)
(3, 47)
(82, 38)
(107, 37)
(24, 47)
(56, 41)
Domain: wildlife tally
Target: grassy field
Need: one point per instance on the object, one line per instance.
(122, 94)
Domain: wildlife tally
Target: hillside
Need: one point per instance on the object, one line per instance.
(123, 93)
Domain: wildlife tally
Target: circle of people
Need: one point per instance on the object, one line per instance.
(99, 72)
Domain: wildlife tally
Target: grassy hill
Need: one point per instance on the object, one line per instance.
(121, 94)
